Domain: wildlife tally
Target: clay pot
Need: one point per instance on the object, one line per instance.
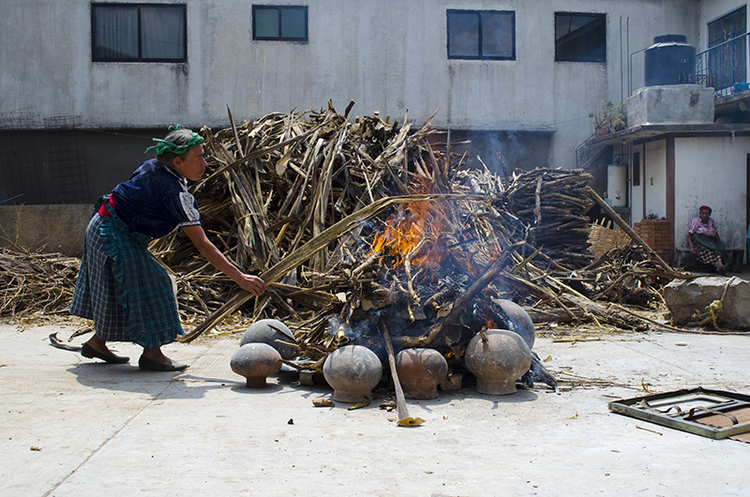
(268, 331)
(352, 371)
(498, 363)
(519, 321)
(421, 371)
(256, 361)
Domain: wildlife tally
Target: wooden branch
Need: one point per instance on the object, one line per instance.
(403, 412)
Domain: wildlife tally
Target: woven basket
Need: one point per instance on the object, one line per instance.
(602, 238)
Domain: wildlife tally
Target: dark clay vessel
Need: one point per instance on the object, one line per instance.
(421, 371)
(269, 331)
(499, 362)
(352, 371)
(256, 361)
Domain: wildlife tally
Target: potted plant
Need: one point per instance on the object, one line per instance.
(613, 117)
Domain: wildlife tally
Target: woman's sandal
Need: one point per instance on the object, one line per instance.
(90, 352)
(147, 364)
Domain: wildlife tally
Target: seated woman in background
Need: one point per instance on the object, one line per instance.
(704, 241)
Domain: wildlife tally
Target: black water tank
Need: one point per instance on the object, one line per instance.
(670, 61)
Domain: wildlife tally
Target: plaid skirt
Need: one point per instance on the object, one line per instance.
(120, 286)
(707, 256)
(708, 250)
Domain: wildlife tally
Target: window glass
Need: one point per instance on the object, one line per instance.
(276, 22)
(481, 34)
(293, 23)
(266, 23)
(463, 34)
(138, 33)
(497, 35)
(727, 57)
(162, 33)
(728, 27)
(580, 37)
(115, 33)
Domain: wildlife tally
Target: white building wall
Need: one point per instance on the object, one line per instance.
(712, 171)
(655, 178)
(389, 56)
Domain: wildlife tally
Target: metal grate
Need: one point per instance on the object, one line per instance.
(20, 119)
(67, 166)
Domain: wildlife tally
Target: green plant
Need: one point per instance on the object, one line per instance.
(613, 116)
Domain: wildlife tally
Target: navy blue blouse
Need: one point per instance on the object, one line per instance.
(155, 200)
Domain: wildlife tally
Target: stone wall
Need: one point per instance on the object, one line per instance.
(45, 228)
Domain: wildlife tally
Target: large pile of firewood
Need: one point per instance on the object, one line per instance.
(351, 219)
(354, 220)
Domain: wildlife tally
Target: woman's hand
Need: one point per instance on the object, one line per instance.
(252, 284)
(247, 282)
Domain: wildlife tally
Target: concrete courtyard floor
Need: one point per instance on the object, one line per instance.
(78, 427)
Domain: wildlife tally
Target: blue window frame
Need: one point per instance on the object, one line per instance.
(280, 22)
(727, 54)
(125, 32)
(481, 34)
(728, 27)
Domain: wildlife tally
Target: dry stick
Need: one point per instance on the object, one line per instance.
(403, 413)
(258, 153)
(407, 268)
(538, 196)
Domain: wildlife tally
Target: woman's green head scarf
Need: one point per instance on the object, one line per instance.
(168, 146)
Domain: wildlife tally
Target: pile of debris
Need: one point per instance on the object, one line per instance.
(356, 220)
(35, 282)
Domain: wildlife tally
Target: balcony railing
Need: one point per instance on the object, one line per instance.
(724, 67)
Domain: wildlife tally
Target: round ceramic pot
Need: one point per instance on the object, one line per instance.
(268, 331)
(499, 362)
(352, 371)
(421, 371)
(518, 321)
(256, 361)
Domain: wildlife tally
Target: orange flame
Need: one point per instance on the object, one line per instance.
(419, 223)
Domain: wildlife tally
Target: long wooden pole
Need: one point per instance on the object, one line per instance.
(403, 413)
(627, 229)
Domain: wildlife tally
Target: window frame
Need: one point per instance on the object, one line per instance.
(511, 13)
(727, 53)
(737, 29)
(279, 9)
(140, 58)
(600, 15)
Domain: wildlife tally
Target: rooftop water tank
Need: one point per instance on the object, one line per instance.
(670, 61)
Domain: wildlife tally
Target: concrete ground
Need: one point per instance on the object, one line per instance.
(77, 427)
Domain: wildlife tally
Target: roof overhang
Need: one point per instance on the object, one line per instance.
(650, 132)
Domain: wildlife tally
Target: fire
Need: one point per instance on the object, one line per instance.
(450, 354)
(414, 234)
